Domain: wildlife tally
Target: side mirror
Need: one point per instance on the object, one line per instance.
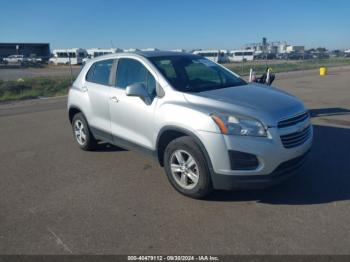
(139, 90)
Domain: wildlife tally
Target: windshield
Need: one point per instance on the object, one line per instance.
(194, 73)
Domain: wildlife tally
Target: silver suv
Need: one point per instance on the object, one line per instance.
(203, 123)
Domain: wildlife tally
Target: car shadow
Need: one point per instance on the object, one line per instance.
(319, 112)
(105, 147)
(325, 177)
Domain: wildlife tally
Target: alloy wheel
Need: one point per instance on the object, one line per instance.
(80, 132)
(184, 169)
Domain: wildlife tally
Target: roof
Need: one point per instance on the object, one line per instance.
(160, 53)
(6, 44)
(146, 54)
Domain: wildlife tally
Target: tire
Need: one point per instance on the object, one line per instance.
(190, 178)
(82, 134)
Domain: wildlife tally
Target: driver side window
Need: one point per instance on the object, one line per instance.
(131, 71)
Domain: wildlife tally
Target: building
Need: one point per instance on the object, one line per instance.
(282, 48)
(38, 50)
(295, 49)
(276, 47)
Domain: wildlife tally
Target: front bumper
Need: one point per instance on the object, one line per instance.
(276, 163)
(283, 171)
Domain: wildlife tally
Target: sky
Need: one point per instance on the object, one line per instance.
(170, 24)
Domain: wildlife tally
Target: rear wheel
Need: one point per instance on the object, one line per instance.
(82, 133)
(186, 168)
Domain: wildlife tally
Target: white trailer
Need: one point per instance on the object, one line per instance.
(74, 56)
(96, 52)
(178, 50)
(347, 53)
(131, 50)
(218, 56)
(241, 55)
(149, 49)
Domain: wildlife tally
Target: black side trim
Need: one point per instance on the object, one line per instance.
(101, 135)
(121, 142)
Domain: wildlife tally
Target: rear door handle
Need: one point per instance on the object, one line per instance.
(115, 99)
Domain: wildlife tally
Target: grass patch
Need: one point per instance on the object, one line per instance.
(244, 68)
(33, 87)
(27, 88)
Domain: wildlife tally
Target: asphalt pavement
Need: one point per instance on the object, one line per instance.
(57, 199)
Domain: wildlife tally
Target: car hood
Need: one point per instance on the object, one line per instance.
(265, 103)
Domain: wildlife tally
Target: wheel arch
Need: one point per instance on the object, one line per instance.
(72, 111)
(168, 134)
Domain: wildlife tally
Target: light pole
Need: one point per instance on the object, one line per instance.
(71, 70)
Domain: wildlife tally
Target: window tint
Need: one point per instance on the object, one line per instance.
(90, 73)
(198, 70)
(208, 54)
(99, 72)
(131, 71)
(166, 68)
(195, 74)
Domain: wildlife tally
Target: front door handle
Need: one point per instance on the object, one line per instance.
(115, 99)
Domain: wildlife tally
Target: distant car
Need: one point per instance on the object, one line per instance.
(308, 56)
(35, 60)
(263, 56)
(2, 61)
(282, 56)
(295, 56)
(19, 59)
(323, 56)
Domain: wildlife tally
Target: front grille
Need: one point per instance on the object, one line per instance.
(296, 139)
(293, 120)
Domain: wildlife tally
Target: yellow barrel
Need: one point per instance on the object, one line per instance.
(323, 71)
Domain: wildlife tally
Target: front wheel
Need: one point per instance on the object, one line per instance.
(82, 133)
(186, 168)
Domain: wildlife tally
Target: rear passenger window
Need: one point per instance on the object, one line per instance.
(131, 71)
(99, 72)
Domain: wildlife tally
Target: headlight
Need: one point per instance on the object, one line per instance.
(238, 125)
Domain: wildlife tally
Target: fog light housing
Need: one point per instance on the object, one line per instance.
(243, 161)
